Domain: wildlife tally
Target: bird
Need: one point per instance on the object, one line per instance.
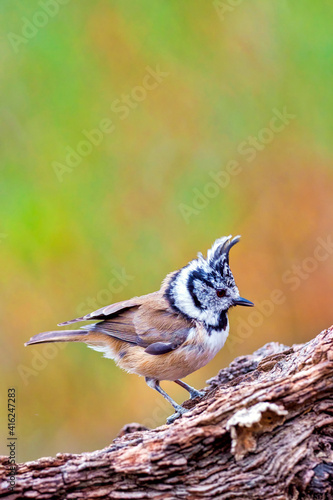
(170, 333)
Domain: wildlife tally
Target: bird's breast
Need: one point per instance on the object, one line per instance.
(207, 343)
(199, 348)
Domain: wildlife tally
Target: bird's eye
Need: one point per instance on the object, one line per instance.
(220, 293)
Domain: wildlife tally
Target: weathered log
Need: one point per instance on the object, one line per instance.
(263, 430)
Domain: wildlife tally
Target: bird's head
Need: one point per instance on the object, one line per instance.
(205, 289)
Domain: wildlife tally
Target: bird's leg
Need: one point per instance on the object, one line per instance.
(154, 384)
(193, 392)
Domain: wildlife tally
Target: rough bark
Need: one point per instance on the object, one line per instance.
(264, 430)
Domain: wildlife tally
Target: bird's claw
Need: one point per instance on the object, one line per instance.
(180, 411)
(196, 394)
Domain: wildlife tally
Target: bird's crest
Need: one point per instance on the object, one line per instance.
(218, 254)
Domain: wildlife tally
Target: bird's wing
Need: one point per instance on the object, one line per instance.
(107, 311)
(156, 298)
(161, 325)
(151, 325)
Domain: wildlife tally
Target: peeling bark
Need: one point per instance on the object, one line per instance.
(263, 430)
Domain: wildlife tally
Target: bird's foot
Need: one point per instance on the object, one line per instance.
(196, 394)
(180, 411)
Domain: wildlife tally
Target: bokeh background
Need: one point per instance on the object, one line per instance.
(115, 217)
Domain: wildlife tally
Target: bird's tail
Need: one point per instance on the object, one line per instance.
(60, 336)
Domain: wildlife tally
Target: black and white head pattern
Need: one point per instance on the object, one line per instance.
(205, 289)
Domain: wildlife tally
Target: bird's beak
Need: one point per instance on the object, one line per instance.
(243, 302)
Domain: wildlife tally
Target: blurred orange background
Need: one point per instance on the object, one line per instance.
(133, 136)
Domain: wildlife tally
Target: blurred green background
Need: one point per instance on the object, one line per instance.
(193, 91)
